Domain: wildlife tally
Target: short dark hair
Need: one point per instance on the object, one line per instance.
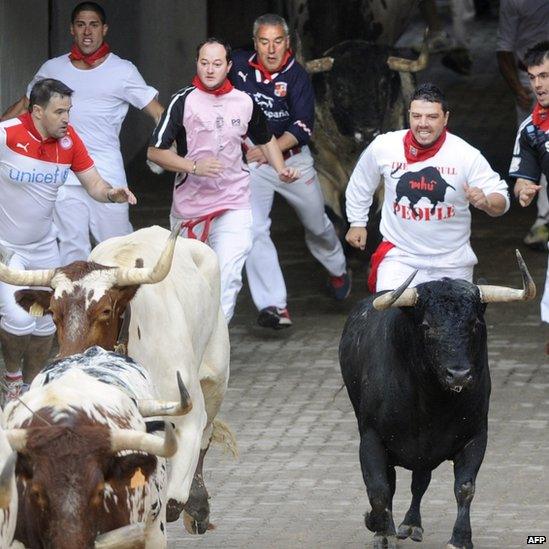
(537, 54)
(431, 93)
(89, 6)
(214, 40)
(44, 89)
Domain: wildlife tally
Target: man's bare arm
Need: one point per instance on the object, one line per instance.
(18, 108)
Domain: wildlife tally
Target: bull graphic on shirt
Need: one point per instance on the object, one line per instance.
(426, 183)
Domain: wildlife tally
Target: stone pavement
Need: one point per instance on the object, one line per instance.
(297, 483)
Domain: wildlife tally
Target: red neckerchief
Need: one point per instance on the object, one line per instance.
(206, 219)
(28, 123)
(226, 87)
(414, 152)
(77, 55)
(266, 73)
(540, 117)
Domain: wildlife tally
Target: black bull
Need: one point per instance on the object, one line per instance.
(418, 379)
(426, 183)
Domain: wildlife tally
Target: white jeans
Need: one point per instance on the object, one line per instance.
(305, 196)
(77, 214)
(398, 265)
(40, 255)
(230, 237)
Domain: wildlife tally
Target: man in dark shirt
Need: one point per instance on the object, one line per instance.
(531, 153)
(281, 87)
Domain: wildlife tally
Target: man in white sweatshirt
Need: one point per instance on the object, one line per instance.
(431, 177)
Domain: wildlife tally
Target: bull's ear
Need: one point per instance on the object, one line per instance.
(35, 302)
(124, 295)
(133, 469)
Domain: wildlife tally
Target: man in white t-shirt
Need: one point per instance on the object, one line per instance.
(104, 86)
(431, 177)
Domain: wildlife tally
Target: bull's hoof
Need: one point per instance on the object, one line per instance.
(173, 510)
(382, 541)
(194, 526)
(415, 533)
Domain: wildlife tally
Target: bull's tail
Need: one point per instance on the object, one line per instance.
(224, 435)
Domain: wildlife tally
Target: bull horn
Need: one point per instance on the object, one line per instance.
(17, 439)
(131, 536)
(149, 408)
(139, 441)
(499, 294)
(322, 64)
(20, 277)
(144, 275)
(401, 297)
(6, 479)
(411, 65)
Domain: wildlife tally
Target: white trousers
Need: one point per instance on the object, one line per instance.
(398, 265)
(230, 237)
(77, 214)
(14, 319)
(305, 196)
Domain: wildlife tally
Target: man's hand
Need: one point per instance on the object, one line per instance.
(208, 167)
(120, 195)
(476, 197)
(289, 175)
(525, 191)
(255, 154)
(356, 237)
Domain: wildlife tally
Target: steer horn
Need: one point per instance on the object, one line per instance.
(498, 294)
(20, 277)
(401, 297)
(322, 64)
(144, 275)
(131, 536)
(411, 65)
(129, 439)
(149, 408)
(6, 478)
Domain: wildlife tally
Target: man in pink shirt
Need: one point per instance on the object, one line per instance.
(208, 122)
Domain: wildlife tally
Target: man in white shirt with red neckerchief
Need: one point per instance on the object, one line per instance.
(105, 85)
(431, 177)
(37, 151)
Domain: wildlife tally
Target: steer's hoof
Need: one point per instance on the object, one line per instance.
(173, 510)
(194, 526)
(415, 533)
(382, 541)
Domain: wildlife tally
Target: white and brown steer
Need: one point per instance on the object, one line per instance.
(89, 474)
(176, 325)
